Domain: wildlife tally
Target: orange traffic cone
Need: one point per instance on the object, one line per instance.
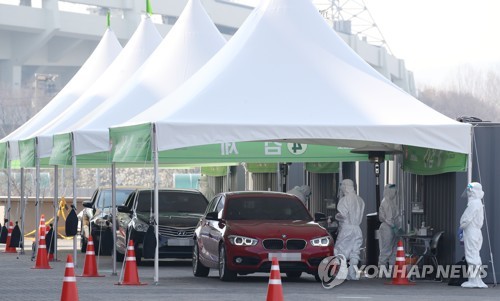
(399, 276)
(69, 289)
(90, 265)
(8, 248)
(274, 289)
(131, 276)
(42, 261)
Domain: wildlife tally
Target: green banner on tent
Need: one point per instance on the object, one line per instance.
(27, 152)
(262, 167)
(61, 150)
(3, 155)
(131, 143)
(260, 152)
(214, 171)
(322, 167)
(427, 161)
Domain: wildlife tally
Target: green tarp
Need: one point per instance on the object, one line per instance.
(262, 167)
(427, 161)
(3, 155)
(214, 171)
(322, 167)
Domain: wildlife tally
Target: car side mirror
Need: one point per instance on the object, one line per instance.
(123, 209)
(212, 216)
(319, 217)
(87, 204)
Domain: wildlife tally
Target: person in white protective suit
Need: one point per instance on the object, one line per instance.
(471, 223)
(388, 215)
(302, 192)
(350, 214)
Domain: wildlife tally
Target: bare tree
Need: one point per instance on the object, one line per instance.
(470, 92)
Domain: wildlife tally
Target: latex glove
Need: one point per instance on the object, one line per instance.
(395, 230)
(460, 235)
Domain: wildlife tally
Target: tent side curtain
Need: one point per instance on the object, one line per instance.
(27, 152)
(131, 143)
(428, 161)
(3, 155)
(214, 171)
(61, 150)
(262, 167)
(323, 167)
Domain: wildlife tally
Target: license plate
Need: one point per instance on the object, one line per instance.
(285, 256)
(180, 242)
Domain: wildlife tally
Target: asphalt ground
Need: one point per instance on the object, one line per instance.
(176, 282)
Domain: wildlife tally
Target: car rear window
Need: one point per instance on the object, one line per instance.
(266, 208)
(173, 201)
(104, 200)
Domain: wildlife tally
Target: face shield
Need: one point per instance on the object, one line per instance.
(467, 191)
(473, 191)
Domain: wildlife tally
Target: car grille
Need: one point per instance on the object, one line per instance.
(295, 244)
(278, 244)
(180, 232)
(273, 244)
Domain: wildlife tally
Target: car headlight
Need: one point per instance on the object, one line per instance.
(321, 241)
(140, 226)
(242, 240)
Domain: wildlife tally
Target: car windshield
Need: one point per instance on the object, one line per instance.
(105, 197)
(173, 202)
(266, 208)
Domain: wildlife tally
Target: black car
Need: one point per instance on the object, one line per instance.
(96, 220)
(179, 212)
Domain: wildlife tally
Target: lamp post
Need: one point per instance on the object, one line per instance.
(376, 155)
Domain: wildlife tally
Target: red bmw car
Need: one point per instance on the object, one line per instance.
(241, 232)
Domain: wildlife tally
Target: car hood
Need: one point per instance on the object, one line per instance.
(276, 229)
(174, 219)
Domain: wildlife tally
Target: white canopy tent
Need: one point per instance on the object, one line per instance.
(142, 43)
(191, 42)
(39, 145)
(100, 59)
(287, 76)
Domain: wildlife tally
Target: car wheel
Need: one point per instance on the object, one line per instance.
(293, 275)
(83, 244)
(199, 270)
(224, 273)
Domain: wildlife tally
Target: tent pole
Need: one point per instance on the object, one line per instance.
(37, 194)
(23, 210)
(9, 176)
(73, 164)
(56, 209)
(113, 213)
(156, 214)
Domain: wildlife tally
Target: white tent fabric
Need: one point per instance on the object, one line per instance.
(286, 75)
(140, 46)
(191, 42)
(100, 59)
